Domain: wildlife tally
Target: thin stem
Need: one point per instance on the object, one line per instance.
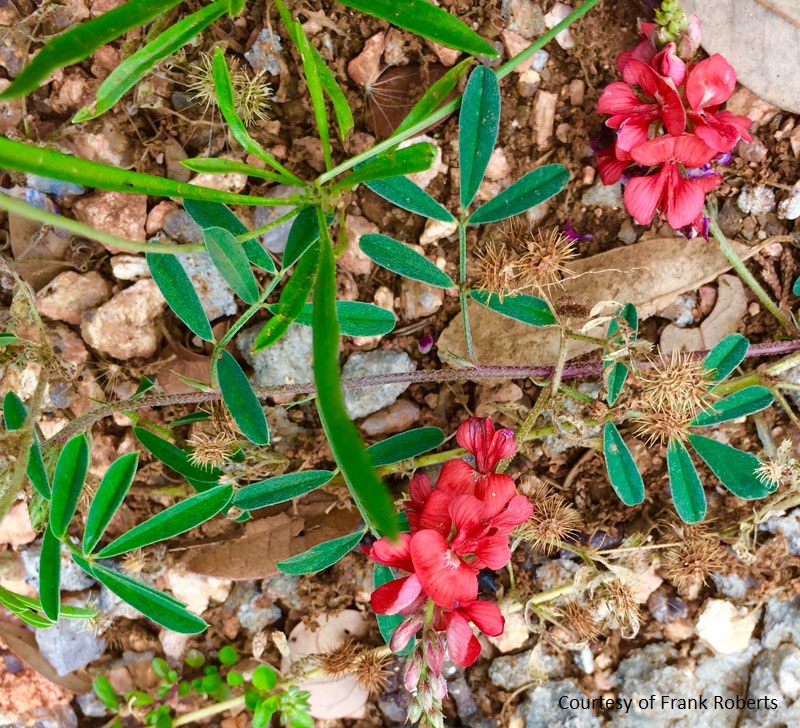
(462, 280)
(551, 594)
(18, 207)
(250, 234)
(738, 265)
(208, 711)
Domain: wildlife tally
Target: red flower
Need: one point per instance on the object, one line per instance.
(645, 50)
(710, 84)
(678, 198)
(611, 163)
(487, 445)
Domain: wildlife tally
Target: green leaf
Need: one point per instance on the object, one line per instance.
(344, 116)
(9, 339)
(48, 163)
(322, 555)
(521, 307)
(616, 380)
(110, 494)
(177, 289)
(67, 483)
(227, 106)
(628, 314)
(302, 235)
(402, 192)
(369, 492)
(403, 260)
(405, 445)
(477, 134)
(421, 18)
(739, 404)
(735, 469)
(263, 713)
(227, 656)
(280, 488)
(415, 158)
(264, 678)
(387, 623)
(232, 262)
(526, 192)
(127, 74)
(214, 214)
(241, 401)
(15, 413)
(726, 356)
(50, 575)
(172, 521)
(795, 287)
(155, 605)
(177, 459)
(687, 490)
(435, 96)
(80, 41)
(106, 694)
(215, 165)
(190, 419)
(356, 318)
(621, 467)
(145, 385)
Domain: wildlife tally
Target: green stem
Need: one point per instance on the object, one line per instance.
(18, 207)
(209, 711)
(462, 280)
(738, 265)
(250, 234)
(551, 594)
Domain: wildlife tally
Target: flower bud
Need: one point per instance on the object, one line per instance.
(413, 671)
(414, 712)
(404, 632)
(434, 653)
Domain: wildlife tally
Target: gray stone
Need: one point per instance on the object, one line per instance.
(468, 711)
(511, 671)
(366, 400)
(91, 706)
(73, 578)
(263, 55)
(180, 227)
(53, 186)
(733, 585)
(756, 200)
(774, 675)
(282, 588)
(627, 233)
(258, 613)
(600, 195)
(540, 59)
(289, 361)
(523, 17)
(789, 527)
(216, 296)
(275, 239)
(69, 645)
(541, 709)
(555, 573)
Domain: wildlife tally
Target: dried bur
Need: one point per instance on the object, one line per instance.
(781, 469)
(553, 521)
(690, 563)
(366, 664)
(214, 442)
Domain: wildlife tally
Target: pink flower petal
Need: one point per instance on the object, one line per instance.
(619, 98)
(436, 514)
(684, 201)
(492, 551)
(609, 167)
(495, 491)
(467, 512)
(396, 554)
(457, 477)
(643, 195)
(518, 510)
(710, 83)
(405, 631)
(462, 646)
(692, 152)
(442, 573)
(396, 596)
(486, 616)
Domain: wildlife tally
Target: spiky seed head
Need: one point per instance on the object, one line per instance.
(662, 427)
(371, 673)
(340, 660)
(210, 450)
(134, 562)
(498, 272)
(552, 522)
(679, 385)
(624, 605)
(689, 564)
(579, 620)
(544, 263)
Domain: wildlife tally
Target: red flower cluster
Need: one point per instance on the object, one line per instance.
(667, 119)
(457, 529)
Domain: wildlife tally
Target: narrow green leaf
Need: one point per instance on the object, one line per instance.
(232, 262)
(214, 214)
(435, 96)
(735, 469)
(214, 165)
(405, 445)
(341, 109)
(521, 307)
(321, 556)
(15, 413)
(621, 467)
(302, 235)
(127, 74)
(616, 380)
(739, 404)
(176, 458)
(106, 694)
(402, 192)
(50, 575)
(421, 18)
(356, 318)
(145, 385)
(172, 521)
(67, 483)
(687, 490)
(9, 339)
(48, 163)
(477, 134)
(369, 492)
(408, 160)
(726, 356)
(387, 623)
(241, 401)
(628, 314)
(157, 606)
(795, 287)
(80, 41)
(526, 192)
(110, 494)
(403, 260)
(176, 287)
(190, 419)
(280, 488)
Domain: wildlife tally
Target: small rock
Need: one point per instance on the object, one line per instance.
(726, 628)
(53, 186)
(577, 89)
(424, 178)
(468, 711)
(157, 216)
(110, 145)
(179, 226)
(541, 708)
(196, 590)
(174, 643)
(69, 294)
(528, 83)
(264, 53)
(289, 361)
(789, 527)
(283, 588)
(275, 239)
(447, 56)
(91, 706)
(73, 578)
(543, 117)
(10, 111)
(680, 310)
(513, 671)
(789, 207)
(353, 259)
(525, 18)
(514, 44)
(395, 51)
(126, 326)
(516, 632)
(601, 195)
(129, 267)
(69, 646)
(216, 296)
(436, 230)
(366, 400)
(734, 586)
(756, 200)
(498, 167)
(627, 233)
(418, 300)
(309, 149)
(365, 68)
(116, 213)
(557, 13)
(257, 614)
(396, 418)
(230, 182)
(15, 527)
(746, 103)
(540, 59)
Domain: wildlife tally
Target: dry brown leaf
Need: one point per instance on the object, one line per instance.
(759, 38)
(649, 274)
(275, 537)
